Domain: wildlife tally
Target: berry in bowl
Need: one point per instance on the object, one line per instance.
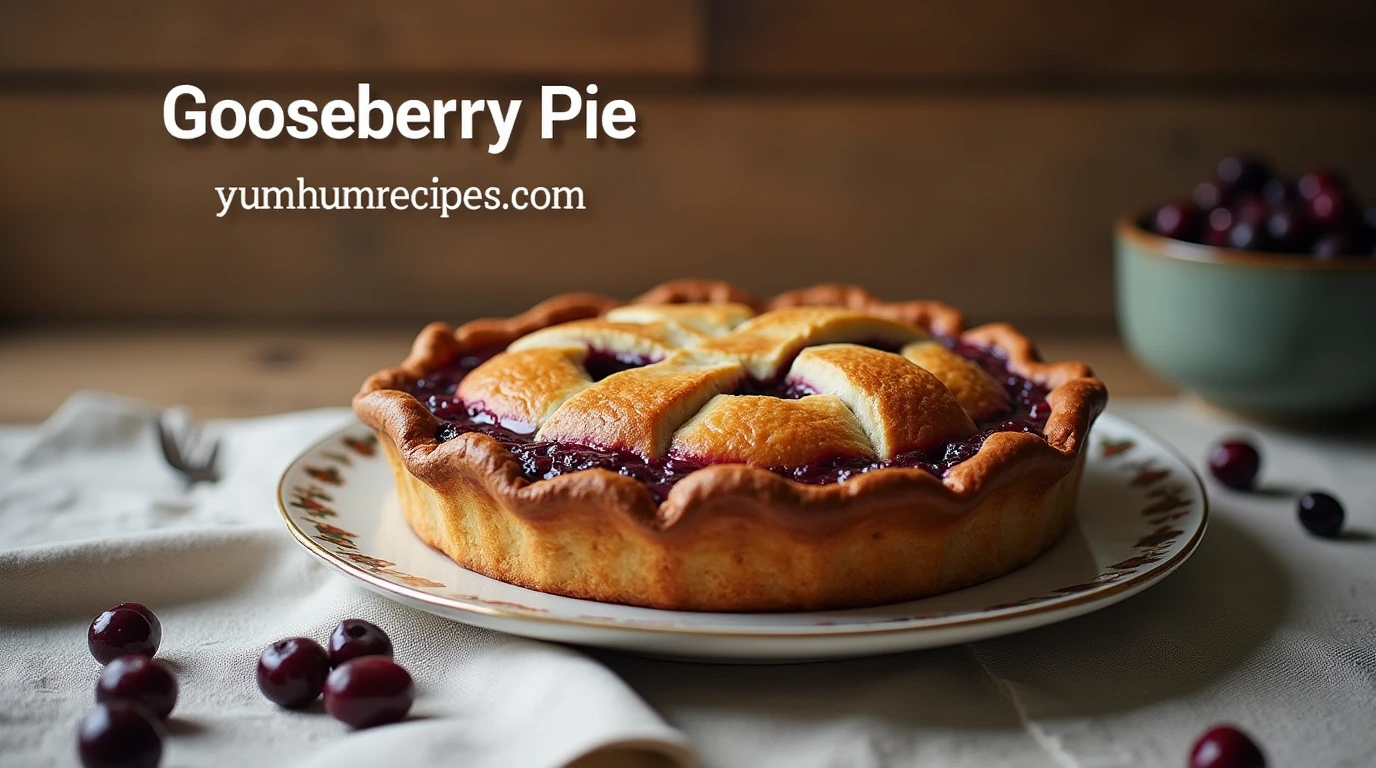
(1257, 291)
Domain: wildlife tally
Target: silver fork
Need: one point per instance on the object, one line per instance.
(188, 450)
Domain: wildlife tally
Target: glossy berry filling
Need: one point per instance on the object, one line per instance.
(542, 460)
(600, 363)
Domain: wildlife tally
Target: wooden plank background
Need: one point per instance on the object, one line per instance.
(237, 372)
(976, 153)
(1052, 41)
(510, 37)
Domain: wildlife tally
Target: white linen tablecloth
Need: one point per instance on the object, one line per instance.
(1266, 627)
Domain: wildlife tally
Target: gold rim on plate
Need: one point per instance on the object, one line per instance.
(1132, 583)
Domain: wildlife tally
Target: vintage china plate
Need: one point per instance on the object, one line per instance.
(1142, 512)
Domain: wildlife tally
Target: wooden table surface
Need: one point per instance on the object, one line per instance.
(236, 373)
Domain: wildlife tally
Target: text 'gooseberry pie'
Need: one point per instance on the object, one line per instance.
(697, 449)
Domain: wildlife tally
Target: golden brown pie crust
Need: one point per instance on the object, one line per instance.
(731, 537)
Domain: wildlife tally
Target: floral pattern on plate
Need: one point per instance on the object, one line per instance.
(1142, 511)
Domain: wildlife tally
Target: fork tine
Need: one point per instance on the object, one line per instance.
(191, 440)
(211, 464)
(188, 449)
(170, 450)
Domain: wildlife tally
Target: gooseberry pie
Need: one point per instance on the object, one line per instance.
(697, 449)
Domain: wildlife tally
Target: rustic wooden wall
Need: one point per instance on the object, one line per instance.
(976, 151)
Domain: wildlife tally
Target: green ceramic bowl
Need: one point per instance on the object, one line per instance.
(1265, 334)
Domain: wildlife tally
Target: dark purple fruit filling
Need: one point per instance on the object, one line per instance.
(542, 460)
(601, 363)
(784, 390)
(444, 381)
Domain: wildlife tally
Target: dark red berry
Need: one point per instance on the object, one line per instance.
(1216, 229)
(1328, 208)
(1243, 172)
(1225, 746)
(1235, 463)
(1288, 230)
(146, 613)
(356, 637)
(1321, 514)
(1277, 192)
(122, 631)
(1334, 245)
(368, 691)
(1247, 236)
(1311, 183)
(1212, 194)
(1177, 220)
(1251, 209)
(141, 680)
(291, 672)
(120, 734)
